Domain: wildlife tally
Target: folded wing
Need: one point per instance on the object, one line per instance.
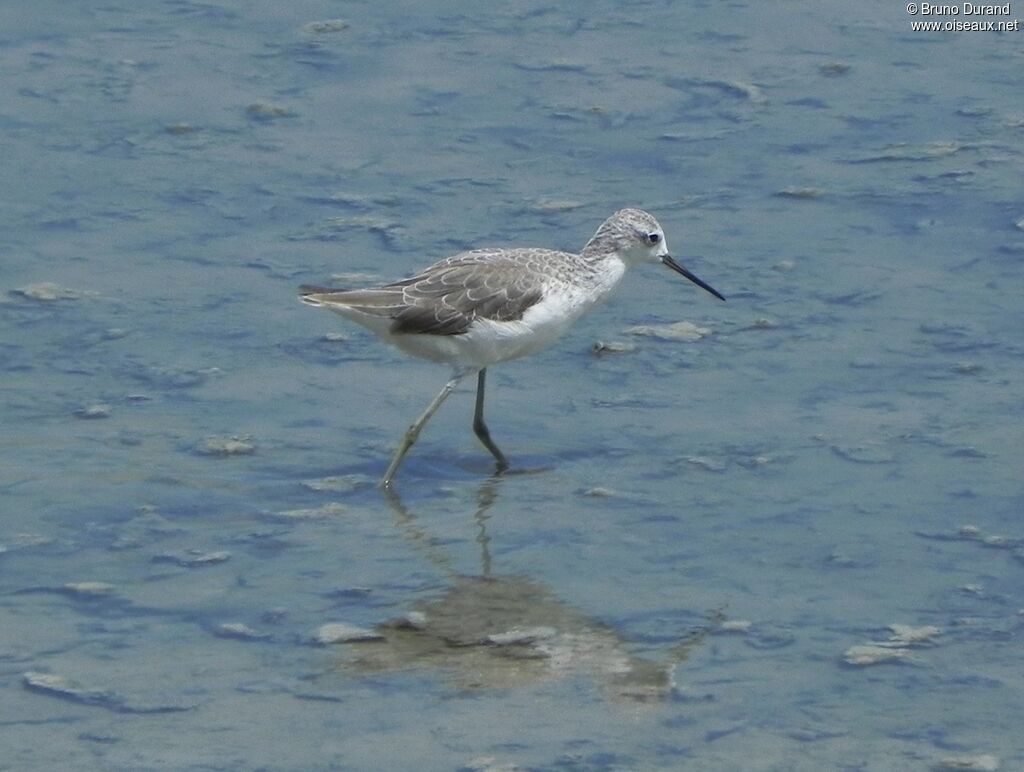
(446, 298)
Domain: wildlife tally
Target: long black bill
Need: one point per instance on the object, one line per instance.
(667, 260)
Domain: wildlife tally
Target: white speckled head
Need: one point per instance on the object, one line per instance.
(634, 236)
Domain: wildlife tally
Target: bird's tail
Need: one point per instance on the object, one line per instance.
(312, 294)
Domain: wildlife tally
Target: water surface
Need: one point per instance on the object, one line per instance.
(710, 526)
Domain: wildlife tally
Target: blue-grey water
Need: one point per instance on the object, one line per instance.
(700, 569)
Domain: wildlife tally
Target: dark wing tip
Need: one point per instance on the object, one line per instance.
(314, 295)
(314, 289)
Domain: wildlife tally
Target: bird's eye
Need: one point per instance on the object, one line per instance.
(653, 238)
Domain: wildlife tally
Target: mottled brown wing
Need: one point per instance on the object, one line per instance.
(447, 298)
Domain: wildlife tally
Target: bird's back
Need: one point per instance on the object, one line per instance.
(447, 297)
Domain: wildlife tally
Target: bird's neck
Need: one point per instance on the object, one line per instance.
(606, 271)
(599, 247)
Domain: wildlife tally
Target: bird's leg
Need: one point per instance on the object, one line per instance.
(414, 430)
(480, 428)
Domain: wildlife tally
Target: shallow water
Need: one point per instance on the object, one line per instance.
(706, 529)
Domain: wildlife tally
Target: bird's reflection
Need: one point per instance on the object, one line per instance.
(490, 631)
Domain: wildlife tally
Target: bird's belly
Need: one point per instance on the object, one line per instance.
(540, 326)
(491, 342)
(487, 341)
